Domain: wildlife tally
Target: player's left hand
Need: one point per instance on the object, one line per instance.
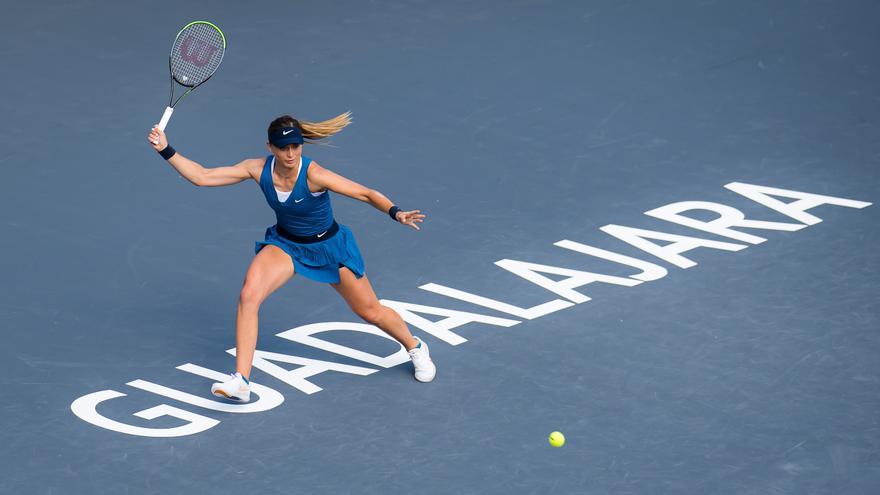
(410, 218)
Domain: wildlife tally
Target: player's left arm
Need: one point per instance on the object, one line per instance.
(326, 179)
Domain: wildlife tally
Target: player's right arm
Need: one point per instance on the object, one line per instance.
(202, 176)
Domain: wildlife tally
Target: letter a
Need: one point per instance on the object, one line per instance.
(795, 209)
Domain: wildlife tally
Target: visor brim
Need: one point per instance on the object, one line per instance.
(286, 140)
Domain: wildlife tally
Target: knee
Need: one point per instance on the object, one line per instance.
(251, 296)
(372, 313)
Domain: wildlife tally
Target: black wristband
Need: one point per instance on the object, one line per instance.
(167, 152)
(393, 212)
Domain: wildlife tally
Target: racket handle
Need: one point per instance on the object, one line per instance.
(165, 118)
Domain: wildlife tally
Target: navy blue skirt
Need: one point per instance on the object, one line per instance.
(319, 261)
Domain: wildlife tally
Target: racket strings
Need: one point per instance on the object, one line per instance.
(196, 54)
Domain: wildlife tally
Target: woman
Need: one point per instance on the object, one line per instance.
(306, 239)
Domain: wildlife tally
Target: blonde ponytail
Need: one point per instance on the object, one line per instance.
(312, 131)
(319, 130)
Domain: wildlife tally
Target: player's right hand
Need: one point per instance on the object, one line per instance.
(157, 138)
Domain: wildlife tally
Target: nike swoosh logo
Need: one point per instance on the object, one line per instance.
(321, 234)
(298, 200)
(284, 133)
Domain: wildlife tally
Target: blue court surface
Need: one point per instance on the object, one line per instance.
(651, 226)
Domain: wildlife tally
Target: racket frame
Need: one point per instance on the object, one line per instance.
(171, 101)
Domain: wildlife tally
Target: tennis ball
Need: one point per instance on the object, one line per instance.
(557, 439)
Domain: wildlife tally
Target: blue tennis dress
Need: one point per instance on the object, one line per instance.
(305, 214)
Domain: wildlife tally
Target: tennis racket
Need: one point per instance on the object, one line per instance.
(195, 56)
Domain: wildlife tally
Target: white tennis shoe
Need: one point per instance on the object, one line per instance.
(421, 358)
(237, 388)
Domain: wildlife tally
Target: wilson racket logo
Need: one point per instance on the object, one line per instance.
(197, 52)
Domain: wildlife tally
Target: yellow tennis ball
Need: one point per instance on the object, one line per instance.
(557, 439)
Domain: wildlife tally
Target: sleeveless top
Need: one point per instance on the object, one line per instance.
(302, 213)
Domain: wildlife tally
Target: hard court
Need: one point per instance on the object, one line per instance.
(649, 227)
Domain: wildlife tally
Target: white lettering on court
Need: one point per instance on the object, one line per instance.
(268, 398)
(565, 287)
(727, 217)
(306, 335)
(671, 252)
(442, 329)
(649, 271)
(526, 313)
(308, 368)
(85, 407)
(795, 209)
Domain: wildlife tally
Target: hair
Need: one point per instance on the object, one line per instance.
(313, 131)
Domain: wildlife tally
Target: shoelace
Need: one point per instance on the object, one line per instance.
(419, 357)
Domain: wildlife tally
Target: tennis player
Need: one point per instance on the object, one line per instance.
(306, 239)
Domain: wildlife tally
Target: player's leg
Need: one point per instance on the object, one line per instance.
(359, 295)
(270, 269)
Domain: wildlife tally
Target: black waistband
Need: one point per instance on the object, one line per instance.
(308, 239)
